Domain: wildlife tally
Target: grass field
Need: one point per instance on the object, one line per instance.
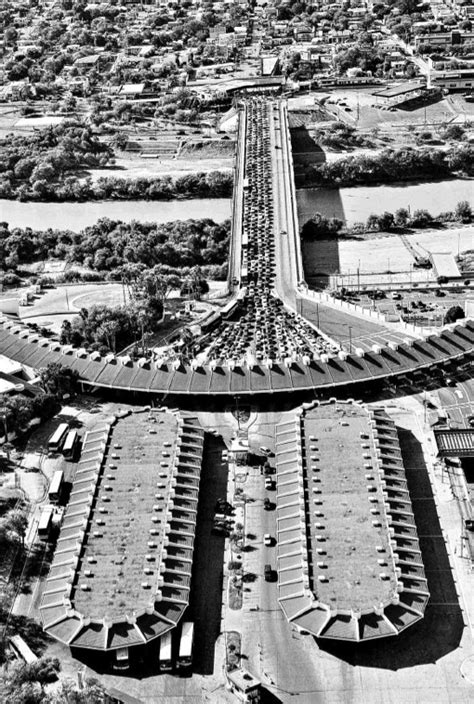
(375, 254)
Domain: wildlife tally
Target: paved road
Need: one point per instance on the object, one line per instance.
(339, 325)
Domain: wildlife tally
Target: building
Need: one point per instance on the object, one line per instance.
(245, 686)
(349, 562)
(458, 79)
(121, 573)
(401, 93)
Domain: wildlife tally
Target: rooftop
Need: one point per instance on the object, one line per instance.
(339, 461)
(121, 572)
(131, 500)
(349, 564)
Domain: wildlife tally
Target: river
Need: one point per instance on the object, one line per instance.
(77, 216)
(356, 204)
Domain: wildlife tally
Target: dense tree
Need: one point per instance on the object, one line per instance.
(453, 314)
(463, 211)
(58, 380)
(318, 227)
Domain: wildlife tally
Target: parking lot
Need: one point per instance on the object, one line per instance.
(418, 306)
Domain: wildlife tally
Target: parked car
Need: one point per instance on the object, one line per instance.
(268, 573)
(267, 539)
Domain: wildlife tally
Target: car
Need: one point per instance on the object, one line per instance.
(268, 573)
(267, 505)
(267, 539)
(396, 296)
(268, 483)
(219, 530)
(265, 450)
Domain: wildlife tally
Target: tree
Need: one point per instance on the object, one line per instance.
(402, 217)
(421, 218)
(386, 221)
(57, 379)
(373, 222)
(319, 226)
(92, 693)
(17, 522)
(454, 132)
(453, 314)
(463, 211)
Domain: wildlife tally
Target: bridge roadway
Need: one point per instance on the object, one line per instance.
(252, 377)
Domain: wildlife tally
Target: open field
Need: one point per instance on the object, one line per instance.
(132, 166)
(382, 253)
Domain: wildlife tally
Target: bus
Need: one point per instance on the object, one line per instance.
(185, 658)
(121, 661)
(57, 438)
(55, 488)
(166, 658)
(44, 524)
(22, 650)
(70, 445)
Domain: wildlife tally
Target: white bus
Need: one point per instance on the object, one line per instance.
(166, 657)
(70, 445)
(185, 658)
(55, 488)
(22, 650)
(121, 661)
(57, 438)
(44, 524)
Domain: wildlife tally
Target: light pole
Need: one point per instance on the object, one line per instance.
(3, 416)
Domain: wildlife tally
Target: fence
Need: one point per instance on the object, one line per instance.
(360, 311)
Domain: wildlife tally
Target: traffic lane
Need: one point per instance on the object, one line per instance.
(341, 325)
(284, 257)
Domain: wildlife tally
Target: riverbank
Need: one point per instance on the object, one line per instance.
(355, 204)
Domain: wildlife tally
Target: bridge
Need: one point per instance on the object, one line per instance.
(259, 343)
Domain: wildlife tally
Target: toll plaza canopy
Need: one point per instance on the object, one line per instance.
(121, 572)
(349, 562)
(19, 343)
(455, 442)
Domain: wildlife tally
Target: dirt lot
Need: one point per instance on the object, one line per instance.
(377, 253)
(364, 113)
(137, 167)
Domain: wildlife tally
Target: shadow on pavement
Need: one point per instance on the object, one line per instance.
(440, 631)
(206, 586)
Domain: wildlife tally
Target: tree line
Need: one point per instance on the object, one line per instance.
(33, 164)
(50, 166)
(321, 227)
(110, 244)
(390, 165)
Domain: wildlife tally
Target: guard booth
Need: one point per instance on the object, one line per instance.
(245, 686)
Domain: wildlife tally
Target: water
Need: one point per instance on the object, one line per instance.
(77, 216)
(356, 204)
